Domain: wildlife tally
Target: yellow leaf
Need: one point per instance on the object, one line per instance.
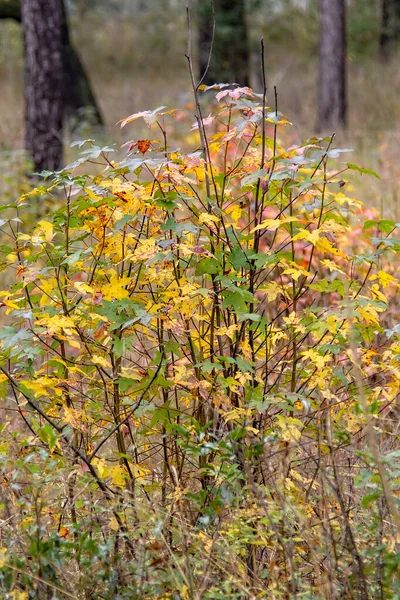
(140, 473)
(115, 290)
(324, 245)
(341, 199)
(378, 294)
(296, 272)
(385, 279)
(293, 321)
(290, 428)
(208, 219)
(332, 266)
(118, 475)
(228, 331)
(74, 343)
(83, 288)
(309, 236)
(101, 361)
(273, 224)
(184, 593)
(316, 358)
(370, 313)
(56, 323)
(43, 232)
(113, 523)
(92, 195)
(332, 323)
(145, 250)
(235, 212)
(3, 552)
(272, 290)
(42, 385)
(18, 595)
(101, 467)
(75, 418)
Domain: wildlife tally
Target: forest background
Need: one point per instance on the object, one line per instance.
(134, 53)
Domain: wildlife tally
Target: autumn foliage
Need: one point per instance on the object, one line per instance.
(200, 372)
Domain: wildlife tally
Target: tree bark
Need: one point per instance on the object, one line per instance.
(332, 69)
(390, 27)
(78, 93)
(42, 28)
(230, 61)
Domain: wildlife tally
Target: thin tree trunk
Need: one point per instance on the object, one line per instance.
(230, 62)
(42, 27)
(390, 28)
(78, 93)
(332, 71)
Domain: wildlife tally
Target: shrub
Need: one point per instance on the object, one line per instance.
(199, 374)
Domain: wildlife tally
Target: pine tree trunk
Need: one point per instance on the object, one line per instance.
(42, 28)
(230, 62)
(332, 71)
(390, 29)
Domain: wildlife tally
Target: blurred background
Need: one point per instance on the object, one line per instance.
(133, 54)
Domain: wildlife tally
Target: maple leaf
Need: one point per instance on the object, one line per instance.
(235, 94)
(146, 249)
(143, 145)
(206, 122)
(274, 224)
(316, 358)
(149, 116)
(290, 428)
(309, 236)
(385, 279)
(208, 219)
(116, 289)
(43, 232)
(56, 323)
(118, 474)
(74, 418)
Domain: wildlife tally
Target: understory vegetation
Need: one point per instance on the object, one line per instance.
(199, 368)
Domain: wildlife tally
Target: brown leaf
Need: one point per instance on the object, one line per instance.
(143, 146)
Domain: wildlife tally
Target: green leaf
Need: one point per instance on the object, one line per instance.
(386, 225)
(207, 266)
(362, 170)
(238, 258)
(244, 366)
(369, 223)
(369, 499)
(125, 383)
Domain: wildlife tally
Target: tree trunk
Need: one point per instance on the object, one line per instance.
(332, 70)
(78, 93)
(390, 31)
(42, 27)
(230, 61)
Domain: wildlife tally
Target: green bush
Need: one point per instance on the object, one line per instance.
(199, 373)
